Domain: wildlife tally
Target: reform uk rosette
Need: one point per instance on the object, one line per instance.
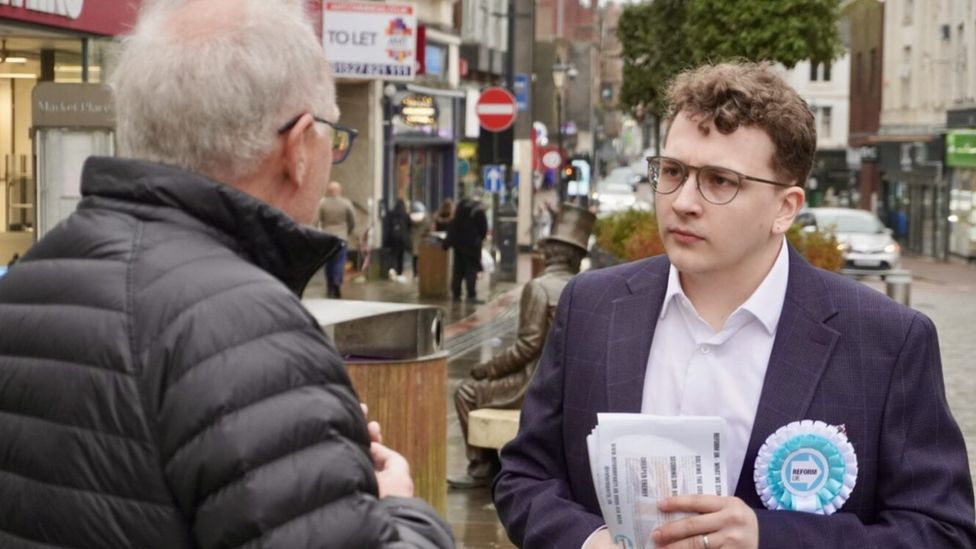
(806, 466)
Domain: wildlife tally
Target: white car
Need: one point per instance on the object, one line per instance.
(867, 244)
(615, 192)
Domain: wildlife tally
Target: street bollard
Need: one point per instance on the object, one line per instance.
(898, 286)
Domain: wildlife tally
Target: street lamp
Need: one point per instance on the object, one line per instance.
(559, 73)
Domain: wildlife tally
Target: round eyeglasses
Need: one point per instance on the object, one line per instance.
(716, 185)
(342, 137)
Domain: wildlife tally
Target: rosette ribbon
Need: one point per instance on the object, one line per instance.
(806, 466)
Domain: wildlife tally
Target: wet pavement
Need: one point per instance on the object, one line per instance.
(946, 292)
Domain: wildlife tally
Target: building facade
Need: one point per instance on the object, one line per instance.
(409, 127)
(928, 74)
(825, 87)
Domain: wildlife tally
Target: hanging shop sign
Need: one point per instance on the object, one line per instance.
(369, 40)
(103, 17)
(418, 110)
(961, 149)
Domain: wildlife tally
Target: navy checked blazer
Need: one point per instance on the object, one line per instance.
(843, 354)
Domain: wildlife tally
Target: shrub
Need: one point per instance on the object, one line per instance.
(820, 248)
(612, 231)
(645, 240)
(633, 234)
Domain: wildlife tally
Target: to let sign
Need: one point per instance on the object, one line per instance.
(370, 40)
(495, 109)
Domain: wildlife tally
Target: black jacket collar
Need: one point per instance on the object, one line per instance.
(262, 233)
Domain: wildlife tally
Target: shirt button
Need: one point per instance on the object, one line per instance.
(705, 349)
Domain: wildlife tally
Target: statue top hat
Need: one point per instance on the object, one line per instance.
(573, 226)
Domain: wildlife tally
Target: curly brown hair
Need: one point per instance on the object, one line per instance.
(730, 95)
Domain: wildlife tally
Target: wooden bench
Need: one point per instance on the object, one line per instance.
(491, 427)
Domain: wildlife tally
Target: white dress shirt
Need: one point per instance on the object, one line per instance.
(695, 371)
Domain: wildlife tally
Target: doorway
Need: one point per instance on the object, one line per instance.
(420, 175)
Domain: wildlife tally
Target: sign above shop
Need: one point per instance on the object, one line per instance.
(961, 149)
(496, 109)
(370, 40)
(72, 106)
(104, 17)
(418, 110)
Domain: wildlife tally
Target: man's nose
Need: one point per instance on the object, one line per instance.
(687, 199)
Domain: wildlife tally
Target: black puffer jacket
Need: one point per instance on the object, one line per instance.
(161, 385)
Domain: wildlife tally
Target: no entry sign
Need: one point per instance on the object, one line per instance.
(496, 109)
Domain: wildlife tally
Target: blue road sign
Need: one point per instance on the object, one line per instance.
(520, 88)
(493, 177)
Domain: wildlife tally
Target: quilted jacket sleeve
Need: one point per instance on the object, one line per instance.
(263, 443)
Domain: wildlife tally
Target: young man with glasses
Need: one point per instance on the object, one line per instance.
(161, 384)
(734, 323)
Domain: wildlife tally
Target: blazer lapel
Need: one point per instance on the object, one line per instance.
(801, 351)
(632, 323)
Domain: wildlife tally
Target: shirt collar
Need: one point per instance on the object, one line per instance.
(766, 303)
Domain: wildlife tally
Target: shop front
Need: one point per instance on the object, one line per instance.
(961, 161)
(70, 41)
(914, 198)
(424, 145)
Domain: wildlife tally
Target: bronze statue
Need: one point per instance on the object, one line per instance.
(501, 382)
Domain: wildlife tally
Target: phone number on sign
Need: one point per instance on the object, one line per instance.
(370, 69)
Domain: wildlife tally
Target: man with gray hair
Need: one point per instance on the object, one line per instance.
(161, 384)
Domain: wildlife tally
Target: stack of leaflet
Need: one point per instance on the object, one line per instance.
(637, 460)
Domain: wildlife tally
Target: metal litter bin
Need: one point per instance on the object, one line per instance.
(393, 354)
(898, 286)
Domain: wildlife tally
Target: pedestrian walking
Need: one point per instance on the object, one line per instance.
(338, 218)
(465, 234)
(161, 384)
(397, 236)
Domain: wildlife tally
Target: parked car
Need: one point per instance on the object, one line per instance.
(867, 244)
(616, 191)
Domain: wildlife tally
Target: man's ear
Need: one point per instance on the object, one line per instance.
(296, 154)
(791, 202)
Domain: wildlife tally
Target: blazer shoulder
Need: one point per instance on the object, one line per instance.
(857, 302)
(642, 268)
(608, 283)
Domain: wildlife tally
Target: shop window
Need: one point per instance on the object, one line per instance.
(25, 61)
(823, 116)
(826, 123)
